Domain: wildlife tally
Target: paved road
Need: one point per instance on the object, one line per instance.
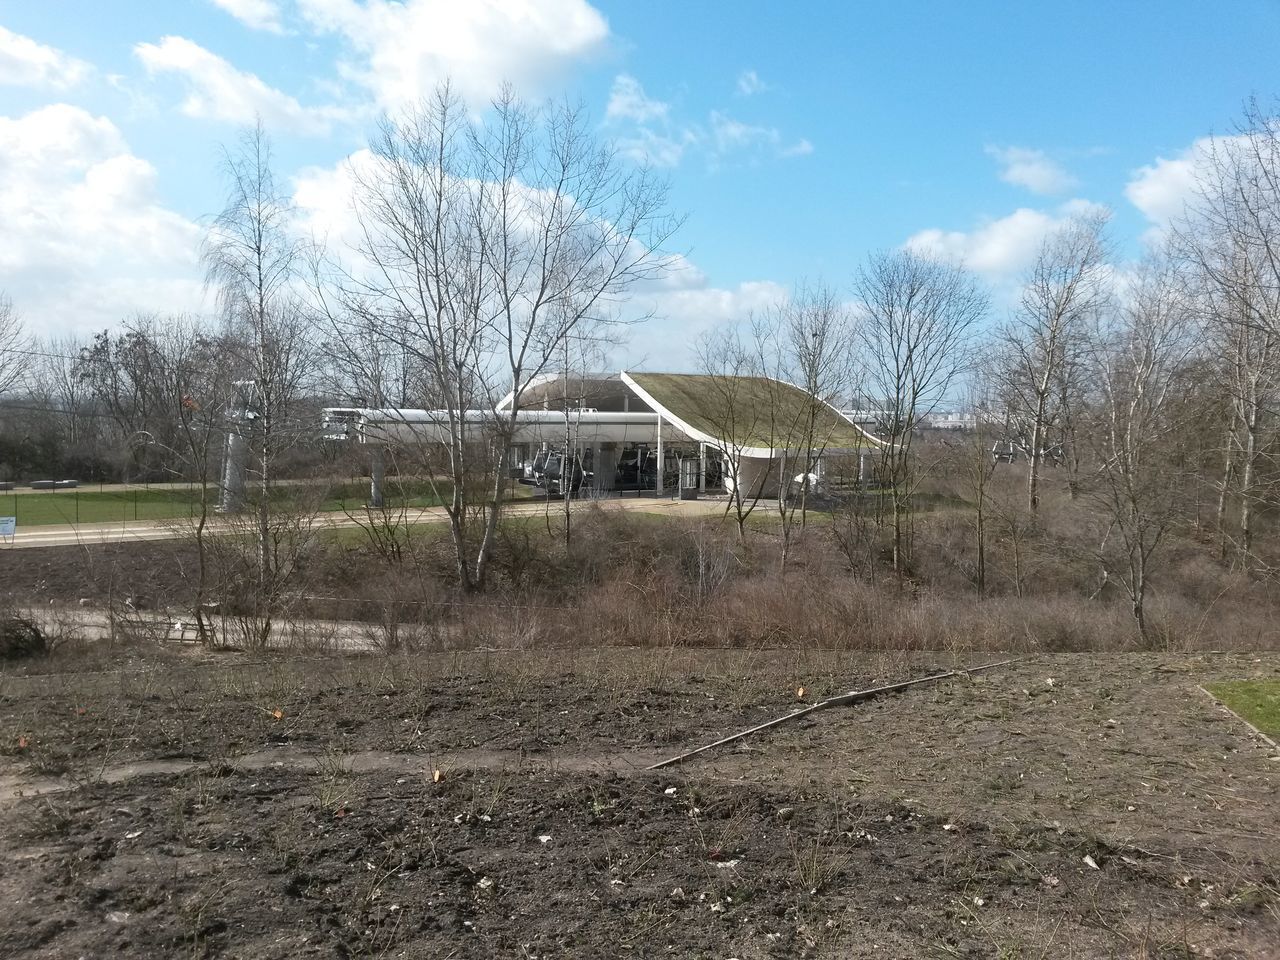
(67, 535)
(96, 623)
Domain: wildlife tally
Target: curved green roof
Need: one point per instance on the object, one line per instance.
(750, 412)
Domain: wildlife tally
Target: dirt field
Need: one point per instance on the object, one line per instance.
(1068, 806)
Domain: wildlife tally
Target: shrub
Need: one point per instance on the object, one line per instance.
(20, 639)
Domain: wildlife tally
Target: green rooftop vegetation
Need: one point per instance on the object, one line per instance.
(752, 411)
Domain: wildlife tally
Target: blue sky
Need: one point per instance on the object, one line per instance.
(797, 137)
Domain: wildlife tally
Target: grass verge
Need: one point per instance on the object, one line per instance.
(1257, 701)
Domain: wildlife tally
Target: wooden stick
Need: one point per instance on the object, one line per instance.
(843, 700)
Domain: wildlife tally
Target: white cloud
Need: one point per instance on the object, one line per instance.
(644, 129)
(86, 241)
(655, 149)
(749, 83)
(1000, 249)
(403, 49)
(628, 101)
(26, 63)
(326, 200)
(255, 14)
(650, 136)
(730, 134)
(1031, 169)
(681, 304)
(216, 90)
(1162, 189)
(322, 197)
(682, 315)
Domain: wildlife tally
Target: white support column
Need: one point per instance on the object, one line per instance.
(702, 467)
(234, 470)
(376, 474)
(661, 462)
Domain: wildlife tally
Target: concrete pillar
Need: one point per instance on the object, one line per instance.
(702, 467)
(606, 465)
(658, 484)
(376, 474)
(233, 472)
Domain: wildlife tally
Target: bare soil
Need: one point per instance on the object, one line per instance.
(496, 805)
(102, 572)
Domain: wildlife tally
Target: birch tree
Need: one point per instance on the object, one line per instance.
(1140, 357)
(483, 244)
(252, 260)
(730, 406)
(915, 329)
(1039, 349)
(1229, 235)
(817, 355)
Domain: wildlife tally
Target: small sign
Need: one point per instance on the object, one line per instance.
(7, 526)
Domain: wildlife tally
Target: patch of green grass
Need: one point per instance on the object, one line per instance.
(349, 497)
(86, 505)
(94, 506)
(1258, 701)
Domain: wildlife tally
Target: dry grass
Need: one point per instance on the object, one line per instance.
(630, 579)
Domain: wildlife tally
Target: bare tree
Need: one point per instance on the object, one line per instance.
(15, 346)
(790, 426)
(483, 246)
(730, 406)
(915, 330)
(1230, 236)
(253, 258)
(580, 355)
(123, 374)
(60, 389)
(976, 467)
(1249, 362)
(817, 339)
(191, 383)
(802, 342)
(1039, 350)
(1140, 357)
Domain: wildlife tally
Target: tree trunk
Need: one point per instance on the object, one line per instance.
(1247, 464)
(1139, 596)
(1037, 441)
(1224, 486)
(981, 537)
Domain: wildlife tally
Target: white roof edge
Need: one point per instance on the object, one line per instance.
(547, 377)
(505, 402)
(661, 411)
(696, 434)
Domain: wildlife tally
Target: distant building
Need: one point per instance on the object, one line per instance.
(640, 430)
(952, 420)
